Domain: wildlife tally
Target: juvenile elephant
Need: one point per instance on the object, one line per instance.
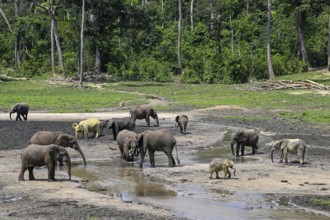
(128, 141)
(244, 138)
(182, 121)
(292, 146)
(58, 138)
(21, 109)
(218, 165)
(159, 140)
(144, 112)
(88, 125)
(39, 155)
(118, 124)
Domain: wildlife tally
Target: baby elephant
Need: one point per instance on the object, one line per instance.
(218, 165)
(88, 125)
(293, 146)
(39, 155)
(182, 122)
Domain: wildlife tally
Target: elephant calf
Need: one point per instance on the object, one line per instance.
(21, 109)
(86, 126)
(39, 155)
(182, 122)
(293, 146)
(118, 124)
(218, 165)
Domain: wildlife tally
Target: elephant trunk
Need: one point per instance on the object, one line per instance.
(11, 112)
(67, 160)
(157, 121)
(232, 147)
(271, 154)
(234, 171)
(82, 155)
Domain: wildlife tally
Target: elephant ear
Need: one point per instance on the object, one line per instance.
(64, 140)
(241, 136)
(110, 122)
(53, 151)
(177, 118)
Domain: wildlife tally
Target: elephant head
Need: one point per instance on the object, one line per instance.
(154, 115)
(67, 140)
(226, 165)
(79, 130)
(58, 153)
(239, 137)
(276, 146)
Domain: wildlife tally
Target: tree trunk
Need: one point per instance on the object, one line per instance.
(232, 35)
(180, 35)
(17, 42)
(269, 57)
(301, 37)
(211, 16)
(97, 63)
(81, 45)
(6, 20)
(192, 14)
(52, 49)
(329, 42)
(58, 46)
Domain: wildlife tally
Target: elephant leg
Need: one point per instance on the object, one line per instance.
(152, 157)
(302, 155)
(254, 147)
(21, 174)
(237, 149)
(86, 133)
(217, 175)
(51, 171)
(285, 155)
(148, 121)
(242, 149)
(31, 176)
(142, 154)
(171, 161)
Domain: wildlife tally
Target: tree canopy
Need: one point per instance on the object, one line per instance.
(222, 41)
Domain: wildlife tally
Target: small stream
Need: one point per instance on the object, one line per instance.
(127, 182)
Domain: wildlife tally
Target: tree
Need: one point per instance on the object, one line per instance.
(329, 40)
(180, 35)
(81, 47)
(269, 57)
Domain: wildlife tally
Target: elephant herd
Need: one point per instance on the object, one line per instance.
(48, 147)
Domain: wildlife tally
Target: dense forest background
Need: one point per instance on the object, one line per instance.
(197, 41)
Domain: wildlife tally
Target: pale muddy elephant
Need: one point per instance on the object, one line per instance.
(39, 155)
(58, 138)
(118, 124)
(218, 165)
(86, 126)
(159, 140)
(292, 146)
(128, 141)
(182, 121)
(21, 109)
(144, 112)
(244, 138)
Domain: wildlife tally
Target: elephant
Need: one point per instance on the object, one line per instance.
(218, 165)
(118, 124)
(39, 155)
(244, 138)
(88, 125)
(158, 140)
(292, 146)
(21, 109)
(144, 112)
(58, 138)
(182, 122)
(128, 141)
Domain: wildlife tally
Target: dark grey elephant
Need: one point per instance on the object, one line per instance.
(118, 124)
(39, 155)
(292, 146)
(244, 138)
(144, 112)
(21, 109)
(128, 141)
(58, 138)
(182, 121)
(159, 140)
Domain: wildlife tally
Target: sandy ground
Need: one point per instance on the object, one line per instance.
(38, 199)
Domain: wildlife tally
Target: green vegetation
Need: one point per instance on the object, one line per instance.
(303, 105)
(324, 202)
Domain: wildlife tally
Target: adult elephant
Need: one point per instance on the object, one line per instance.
(292, 146)
(182, 121)
(128, 141)
(21, 109)
(58, 138)
(39, 155)
(144, 112)
(118, 124)
(159, 140)
(244, 138)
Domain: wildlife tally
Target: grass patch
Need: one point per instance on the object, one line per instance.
(323, 202)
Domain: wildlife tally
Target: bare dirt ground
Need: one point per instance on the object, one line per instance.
(68, 199)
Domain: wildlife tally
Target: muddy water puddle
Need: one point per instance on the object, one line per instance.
(127, 182)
